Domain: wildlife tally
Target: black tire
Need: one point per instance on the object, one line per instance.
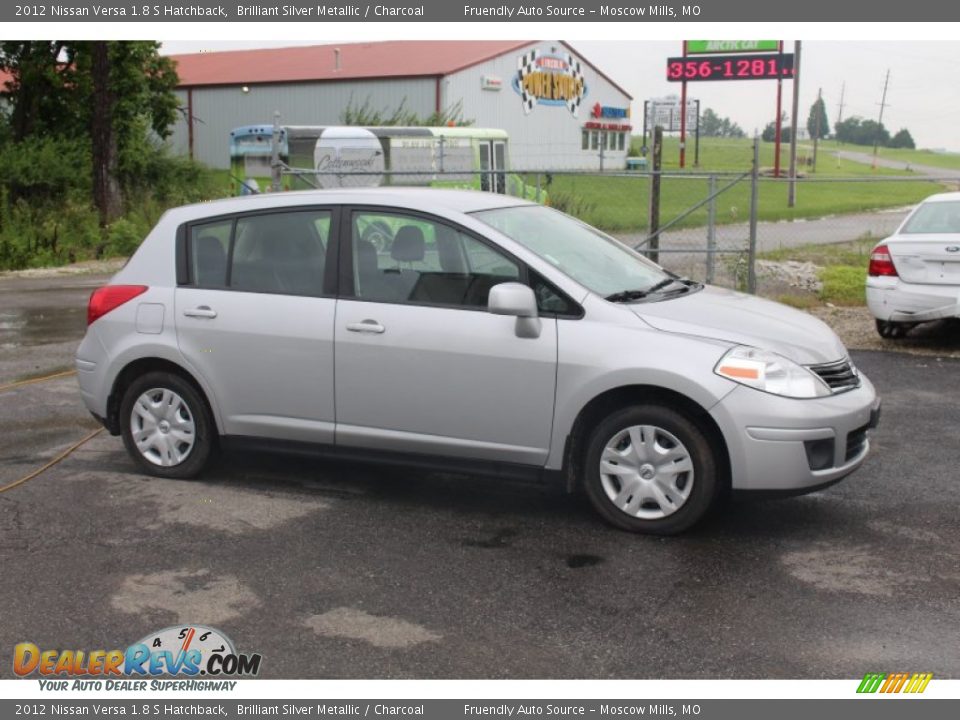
(204, 436)
(702, 454)
(893, 330)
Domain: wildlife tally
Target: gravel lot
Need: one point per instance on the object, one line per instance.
(855, 326)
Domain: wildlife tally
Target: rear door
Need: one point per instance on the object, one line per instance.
(254, 311)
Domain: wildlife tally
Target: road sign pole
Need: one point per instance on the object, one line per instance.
(777, 132)
(792, 193)
(683, 117)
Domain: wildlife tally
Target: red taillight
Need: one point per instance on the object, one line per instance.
(881, 263)
(110, 297)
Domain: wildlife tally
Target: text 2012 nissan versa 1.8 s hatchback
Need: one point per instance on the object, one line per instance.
(464, 330)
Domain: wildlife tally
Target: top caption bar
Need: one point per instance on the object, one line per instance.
(481, 11)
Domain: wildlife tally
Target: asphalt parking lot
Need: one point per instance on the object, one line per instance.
(337, 571)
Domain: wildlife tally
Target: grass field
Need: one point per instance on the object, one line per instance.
(733, 154)
(736, 155)
(621, 203)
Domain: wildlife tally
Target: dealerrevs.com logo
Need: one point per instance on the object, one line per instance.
(181, 651)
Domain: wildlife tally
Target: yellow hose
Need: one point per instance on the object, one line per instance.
(50, 464)
(31, 381)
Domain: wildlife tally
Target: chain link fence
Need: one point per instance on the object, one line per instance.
(737, 230)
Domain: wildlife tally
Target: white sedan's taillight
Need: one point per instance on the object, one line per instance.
(881, 263)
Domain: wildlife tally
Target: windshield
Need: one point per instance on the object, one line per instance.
(594, 260)
(934, 218)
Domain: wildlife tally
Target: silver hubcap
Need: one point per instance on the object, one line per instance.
(162, 427)
(646, 472)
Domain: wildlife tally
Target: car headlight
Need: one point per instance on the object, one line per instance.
(770, 372)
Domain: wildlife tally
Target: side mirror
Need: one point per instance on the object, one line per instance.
(513, 298)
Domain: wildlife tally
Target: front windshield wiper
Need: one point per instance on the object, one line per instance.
(628, 295)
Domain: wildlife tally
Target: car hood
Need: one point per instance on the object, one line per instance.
(745, 320)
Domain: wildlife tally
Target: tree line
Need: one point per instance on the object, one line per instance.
(854, 130)
(84, 171)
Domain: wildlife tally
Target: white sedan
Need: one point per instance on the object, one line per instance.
(914, 275)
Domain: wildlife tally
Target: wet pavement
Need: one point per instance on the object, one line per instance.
(335, 570)
(41, 323)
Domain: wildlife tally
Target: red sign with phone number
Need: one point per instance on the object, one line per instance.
(731, 67)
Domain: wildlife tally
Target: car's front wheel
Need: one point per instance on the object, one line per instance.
(166, 426)
(650, 469)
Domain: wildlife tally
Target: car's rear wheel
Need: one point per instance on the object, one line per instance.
(893, 330)
(650, 469)
(166, 426)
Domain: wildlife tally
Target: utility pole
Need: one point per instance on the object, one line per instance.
(843, 89)
(817, 126)
(883, 104)
(792, 193)
(836, 134)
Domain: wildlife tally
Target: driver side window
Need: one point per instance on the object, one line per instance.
(401, 258)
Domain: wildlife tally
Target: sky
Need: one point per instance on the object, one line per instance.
(923, 94)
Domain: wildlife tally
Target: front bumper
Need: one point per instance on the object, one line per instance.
(894, 300)
(783, 445)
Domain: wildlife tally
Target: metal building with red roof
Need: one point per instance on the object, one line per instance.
(560, 110)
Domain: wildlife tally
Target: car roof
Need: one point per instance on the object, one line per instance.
(411, 198)
(943, 197)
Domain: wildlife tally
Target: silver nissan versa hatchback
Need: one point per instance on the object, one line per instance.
(467, 331)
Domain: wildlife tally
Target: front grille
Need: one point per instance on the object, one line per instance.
(855, 442)
(839, 376)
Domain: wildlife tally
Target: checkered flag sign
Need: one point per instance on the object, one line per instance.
(526, 64)
(576, 72)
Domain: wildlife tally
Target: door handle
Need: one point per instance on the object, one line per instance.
(204, 311)
(367, 326)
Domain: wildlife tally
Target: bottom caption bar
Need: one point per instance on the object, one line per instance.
(874, 709)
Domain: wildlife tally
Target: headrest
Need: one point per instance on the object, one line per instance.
(408, 245)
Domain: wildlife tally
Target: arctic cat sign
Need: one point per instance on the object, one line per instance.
(706, 47)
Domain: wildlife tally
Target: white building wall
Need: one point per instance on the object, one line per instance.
(549, 136)
(218, 110)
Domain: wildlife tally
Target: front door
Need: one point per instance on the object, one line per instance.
(420, 364)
